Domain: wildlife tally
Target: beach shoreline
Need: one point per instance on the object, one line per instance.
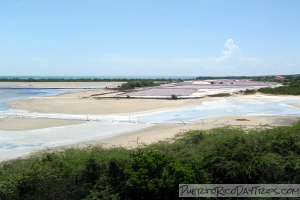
(84, 103)
(161, 132)
(63, 84)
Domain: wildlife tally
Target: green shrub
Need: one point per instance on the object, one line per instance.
(248, 92)
(221, 155)
(174, 97)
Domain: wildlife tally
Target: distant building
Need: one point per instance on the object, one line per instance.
(280, 78)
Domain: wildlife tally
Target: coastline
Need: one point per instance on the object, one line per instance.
(88, 102)
(82, 105)
(63, 84)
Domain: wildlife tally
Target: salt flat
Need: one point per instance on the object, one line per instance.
(123, 121)
(19, 143)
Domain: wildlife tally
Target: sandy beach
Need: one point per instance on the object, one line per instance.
(160, 132)
(22, 124)
(97, 106)
(87, 102)
(84, 102)
(295, 104)
(63, 84)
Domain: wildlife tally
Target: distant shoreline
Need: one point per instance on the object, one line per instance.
(88, 78)
(45, 117)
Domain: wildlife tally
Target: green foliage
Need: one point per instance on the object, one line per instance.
(134, 83)
(174, 97)
(293, 88)
(220, 95)
(221, 155)
(157, 176)
(249, 91)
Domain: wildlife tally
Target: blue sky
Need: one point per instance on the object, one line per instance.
(149, 37)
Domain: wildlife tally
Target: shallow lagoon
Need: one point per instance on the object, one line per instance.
(217, 108)
(17, 143)
(13, 92)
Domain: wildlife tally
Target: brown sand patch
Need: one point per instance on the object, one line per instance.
(21, 124)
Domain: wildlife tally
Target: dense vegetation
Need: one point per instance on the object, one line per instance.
(222, 155)
(248, 91)
(136, 83)
(292, 88)
(74, 79)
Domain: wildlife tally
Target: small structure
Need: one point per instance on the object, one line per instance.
(280, 78)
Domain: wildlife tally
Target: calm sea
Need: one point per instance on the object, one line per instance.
(101, 77)
(13, 92)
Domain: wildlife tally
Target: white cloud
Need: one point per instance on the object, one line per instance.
(233, 50)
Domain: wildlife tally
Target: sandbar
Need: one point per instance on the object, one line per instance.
(294, 104)
(63, 84)
(21, 124)
(84, 103)
(90, 101)
(98, 106)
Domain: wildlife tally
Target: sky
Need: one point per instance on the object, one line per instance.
(149, 37)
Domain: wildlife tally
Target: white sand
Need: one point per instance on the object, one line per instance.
(264, 97)
(19, 143)
(294, 104)
(63, 84)
(130, 135)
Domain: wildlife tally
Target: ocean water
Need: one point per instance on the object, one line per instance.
(102, 77)
(13, 92)
(17, 143)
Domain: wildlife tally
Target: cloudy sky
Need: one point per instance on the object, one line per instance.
(149, 37)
